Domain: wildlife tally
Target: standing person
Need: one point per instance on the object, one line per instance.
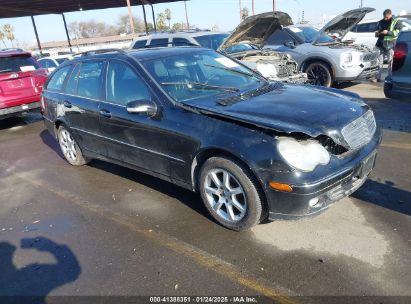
(387, 33)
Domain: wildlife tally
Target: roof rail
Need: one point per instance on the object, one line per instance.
(11, 49)
(99, 51)
(173, 43)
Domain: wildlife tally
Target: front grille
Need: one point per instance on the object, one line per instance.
(360, 131)
(369, 56)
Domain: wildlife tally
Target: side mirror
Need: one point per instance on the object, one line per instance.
(142, 107)
(290, 44)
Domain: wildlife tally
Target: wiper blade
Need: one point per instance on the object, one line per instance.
(200, 86)
(231, 70)
(6, 71)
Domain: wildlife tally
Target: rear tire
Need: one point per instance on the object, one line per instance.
(69, 147)
(230, 193)
(319, 74)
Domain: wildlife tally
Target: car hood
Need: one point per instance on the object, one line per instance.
(256, 29)
(292, 109)
(343, 23)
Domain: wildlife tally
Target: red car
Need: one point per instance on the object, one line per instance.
(21, 83)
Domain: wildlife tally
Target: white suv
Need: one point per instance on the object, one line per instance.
(207, 39)
(364, 32)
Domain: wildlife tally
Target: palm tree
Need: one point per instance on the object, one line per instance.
(9, 32)
(2, 36)
(168, 16)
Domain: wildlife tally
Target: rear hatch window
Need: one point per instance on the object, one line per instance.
(19, 79)
(20, 63)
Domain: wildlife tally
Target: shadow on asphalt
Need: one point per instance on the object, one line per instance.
(51, 142)
(187, 197)
(17, 121)
(391, 114)
(385, 194)
(32, 283)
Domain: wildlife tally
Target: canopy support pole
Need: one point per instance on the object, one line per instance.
(130, 17)
(145, 17)
(67, 33)
(185, 8)
(154, 18)
(37, 35)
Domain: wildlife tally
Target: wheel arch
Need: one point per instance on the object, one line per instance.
(202, 156)
(310, 60)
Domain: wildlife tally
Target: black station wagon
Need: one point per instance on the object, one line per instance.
(255, 150)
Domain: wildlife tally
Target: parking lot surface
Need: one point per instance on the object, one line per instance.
(102, 229)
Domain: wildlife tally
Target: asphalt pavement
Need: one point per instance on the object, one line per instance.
(104, 230)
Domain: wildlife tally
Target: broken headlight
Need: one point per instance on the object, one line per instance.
(303, 155)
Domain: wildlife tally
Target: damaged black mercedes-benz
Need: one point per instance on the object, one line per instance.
(254, 149)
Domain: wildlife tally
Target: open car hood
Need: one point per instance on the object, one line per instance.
(343, 23)
(256, 29)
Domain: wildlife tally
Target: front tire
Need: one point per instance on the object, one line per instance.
(70, 148)
(230, 193)
(319, 74)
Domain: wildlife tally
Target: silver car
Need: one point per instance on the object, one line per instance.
(324, 58)
(398, 82)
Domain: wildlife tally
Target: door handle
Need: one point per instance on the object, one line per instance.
(67, 104)
(105, 113)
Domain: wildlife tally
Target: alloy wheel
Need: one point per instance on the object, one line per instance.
(68, 145)
(225, 195)
(317, 75)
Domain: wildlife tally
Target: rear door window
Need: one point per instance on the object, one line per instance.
(90, 79)
(160, 42)
(20, 63)
(57, 80)
(124, 85)
(72, 82)
(139, 44)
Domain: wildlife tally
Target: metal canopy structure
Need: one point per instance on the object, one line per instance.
(25, 8)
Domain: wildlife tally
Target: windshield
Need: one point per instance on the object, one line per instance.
(212, 41)
(17, 64)
(309, 34)
(200, 74)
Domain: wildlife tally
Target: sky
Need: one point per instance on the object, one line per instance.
(203, 13)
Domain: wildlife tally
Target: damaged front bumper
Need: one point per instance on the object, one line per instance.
(311, 198)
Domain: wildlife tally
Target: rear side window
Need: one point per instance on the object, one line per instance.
(19, 63)
(124, 85)
(139, 44)
(57, 80)
(159, 42)
(90, 79)
(366, 27)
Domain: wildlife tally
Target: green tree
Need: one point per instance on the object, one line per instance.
(161, 22)
(245, 12)
(123, 24)
(178, 26)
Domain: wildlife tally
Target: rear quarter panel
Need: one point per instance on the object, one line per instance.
(403, 75)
